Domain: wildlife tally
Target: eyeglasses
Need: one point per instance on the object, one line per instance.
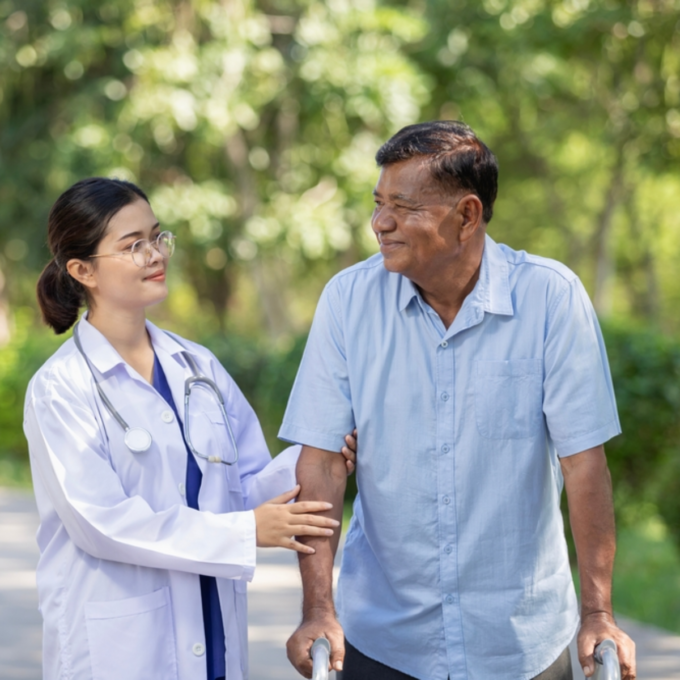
(142, 250)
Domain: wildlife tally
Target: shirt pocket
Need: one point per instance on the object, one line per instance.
(132, 639)
(509, 398)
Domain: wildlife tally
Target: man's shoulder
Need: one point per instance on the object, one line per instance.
(527, 264)
(366, 272)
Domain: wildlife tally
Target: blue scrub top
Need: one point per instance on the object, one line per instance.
(212, 614)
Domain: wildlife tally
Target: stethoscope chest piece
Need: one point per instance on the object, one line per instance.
(137, 439)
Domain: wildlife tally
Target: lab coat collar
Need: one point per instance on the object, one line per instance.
(104, 357)
(492, 292)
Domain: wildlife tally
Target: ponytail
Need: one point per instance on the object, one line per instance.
(60, 297)
(77, 223)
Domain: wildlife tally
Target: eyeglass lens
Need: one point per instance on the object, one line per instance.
(142, 250)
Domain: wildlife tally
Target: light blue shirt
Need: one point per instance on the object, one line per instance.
(455, 564)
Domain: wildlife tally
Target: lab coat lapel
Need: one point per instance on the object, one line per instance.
(169, 353)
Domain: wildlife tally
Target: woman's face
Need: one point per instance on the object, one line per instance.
(115, 279)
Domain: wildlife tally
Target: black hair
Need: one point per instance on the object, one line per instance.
(457, 159)
(76, 225)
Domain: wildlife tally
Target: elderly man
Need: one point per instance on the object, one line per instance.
(477, 378)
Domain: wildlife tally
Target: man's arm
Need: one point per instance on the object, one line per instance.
(322, 476)
(591, 515)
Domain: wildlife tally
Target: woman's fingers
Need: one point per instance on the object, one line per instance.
(314, 521)
(309, 530)
(350, 452)
(292, 544)
(303, 507)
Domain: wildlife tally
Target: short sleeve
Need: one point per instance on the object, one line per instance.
(578, 395)
(319, 411)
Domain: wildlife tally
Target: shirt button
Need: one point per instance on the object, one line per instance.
(448, 549)
(450, 599)
(198, 649)
(182, 488)
(445, 396)
(446, 500)
(445, 344)
(167, 416)
(446, 448)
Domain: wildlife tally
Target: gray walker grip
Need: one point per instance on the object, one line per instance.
(607, 661)
(320, 653)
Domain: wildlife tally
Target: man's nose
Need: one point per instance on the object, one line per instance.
(383, 220)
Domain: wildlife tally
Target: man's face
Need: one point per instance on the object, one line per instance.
(416, 225)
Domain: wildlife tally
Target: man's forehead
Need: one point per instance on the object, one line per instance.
(409, 180)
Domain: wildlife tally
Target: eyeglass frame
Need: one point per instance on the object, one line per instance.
(149, 254)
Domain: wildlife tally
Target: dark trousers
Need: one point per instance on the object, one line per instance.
(359, 667)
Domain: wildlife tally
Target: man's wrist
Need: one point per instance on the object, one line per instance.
(597, 613)
(318, 611)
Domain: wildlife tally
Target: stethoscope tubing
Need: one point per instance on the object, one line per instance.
(137, 439)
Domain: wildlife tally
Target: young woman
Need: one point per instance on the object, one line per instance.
(147, 461)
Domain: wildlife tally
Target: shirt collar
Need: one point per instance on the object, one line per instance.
(104, 357)
(492, 291)
(493, 287)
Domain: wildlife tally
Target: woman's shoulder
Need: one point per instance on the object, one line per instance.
(62, 372)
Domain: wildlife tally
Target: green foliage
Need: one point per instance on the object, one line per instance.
(646, 371)
(19, 360)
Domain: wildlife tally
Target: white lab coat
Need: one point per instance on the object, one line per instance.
(120, 549)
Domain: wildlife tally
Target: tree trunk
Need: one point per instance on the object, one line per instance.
(602, 242)
(4, 313)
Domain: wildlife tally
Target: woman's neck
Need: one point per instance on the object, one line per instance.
(126, 331)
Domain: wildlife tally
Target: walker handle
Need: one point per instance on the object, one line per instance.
(320, 652)
(607, 661)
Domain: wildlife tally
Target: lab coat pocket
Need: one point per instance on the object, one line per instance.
(509, 398)
(132, 639)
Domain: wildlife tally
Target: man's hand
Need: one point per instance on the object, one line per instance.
(323, 477)
(597, 627)
(591, 515)
(315, 625)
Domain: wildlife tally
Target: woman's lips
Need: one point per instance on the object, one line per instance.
(158, 276)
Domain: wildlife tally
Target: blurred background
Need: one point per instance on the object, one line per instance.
(252, 125)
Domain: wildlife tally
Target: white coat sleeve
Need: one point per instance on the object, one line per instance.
(262, 478)
(69, 453)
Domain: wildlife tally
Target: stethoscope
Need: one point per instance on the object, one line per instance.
(137, 439)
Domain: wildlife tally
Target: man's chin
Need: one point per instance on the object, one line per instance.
(392, 264)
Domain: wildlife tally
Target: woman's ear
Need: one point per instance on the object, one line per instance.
(82, 272)
(471, 211)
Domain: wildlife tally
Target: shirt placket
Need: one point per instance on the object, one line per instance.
(446, 507)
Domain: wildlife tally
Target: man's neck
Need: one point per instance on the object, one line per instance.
(446, 291)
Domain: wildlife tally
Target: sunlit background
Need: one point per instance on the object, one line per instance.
(253, 126)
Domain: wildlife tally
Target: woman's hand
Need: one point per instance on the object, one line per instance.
(350, 452)
(277, 523)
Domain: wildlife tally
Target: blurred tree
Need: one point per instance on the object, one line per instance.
(579, 98)
(251, 124)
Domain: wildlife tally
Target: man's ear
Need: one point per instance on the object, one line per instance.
(82, 271)
(470, 209)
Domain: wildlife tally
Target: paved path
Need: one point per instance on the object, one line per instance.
(274, 605)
